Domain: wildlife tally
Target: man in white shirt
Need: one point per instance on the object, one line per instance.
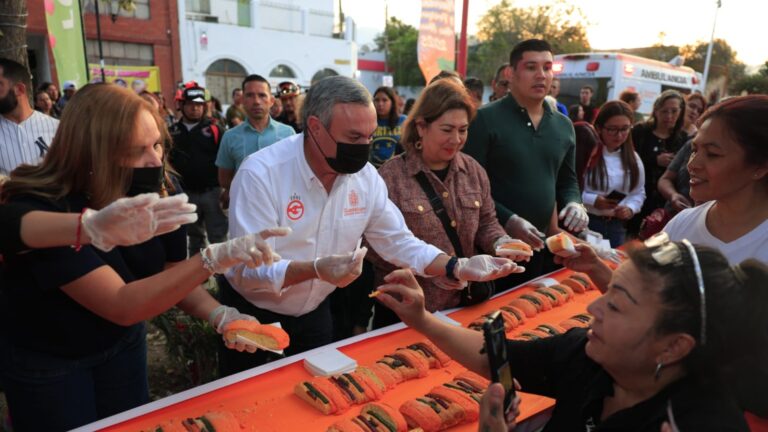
(319, 184)
(25, 134)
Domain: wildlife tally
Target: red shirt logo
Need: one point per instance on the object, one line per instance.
(295, 210)
(353, 198)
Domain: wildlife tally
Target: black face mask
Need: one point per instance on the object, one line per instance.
(350, 158)
(146, 180)
(9, 102)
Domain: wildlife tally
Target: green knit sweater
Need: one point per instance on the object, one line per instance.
(528, 168)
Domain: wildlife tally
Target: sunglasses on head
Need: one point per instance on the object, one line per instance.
(665, 252)
(288, 89)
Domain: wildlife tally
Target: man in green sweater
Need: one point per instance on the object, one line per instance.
(527, 150)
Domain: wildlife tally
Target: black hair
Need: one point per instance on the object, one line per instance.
(588, 87)
(408, 105)
(475, 85)
(16, 73)
(735, 353)
(237, 89)
(500, 70)
(392, 116)
(536, 45)
(216, 103)
(573, 113)
(258, 78)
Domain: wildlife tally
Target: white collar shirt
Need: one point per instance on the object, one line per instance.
(26, 142)
(276, 187)
(617, 179)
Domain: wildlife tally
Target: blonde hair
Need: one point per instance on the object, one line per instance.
(88, 151)
(437, 98)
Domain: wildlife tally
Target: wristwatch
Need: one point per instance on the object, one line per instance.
(449, 266)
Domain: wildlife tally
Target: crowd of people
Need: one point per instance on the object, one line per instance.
(301, 203)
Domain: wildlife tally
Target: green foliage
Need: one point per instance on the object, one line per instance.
(764, 69)
(504, 25)
(752, 84)
(400, 40)
(723, 63)
(192, 345)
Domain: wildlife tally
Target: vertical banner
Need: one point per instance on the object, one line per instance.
(437, 37)
(65, 36)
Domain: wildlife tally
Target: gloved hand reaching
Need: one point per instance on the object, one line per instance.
(481, 268)
(340, 270)
(130, 221)
(574, 217)
(221, 317)
(520, 228)
(251, 250)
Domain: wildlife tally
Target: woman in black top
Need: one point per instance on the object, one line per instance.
(72, 346)
(678, 329)
(656, 142)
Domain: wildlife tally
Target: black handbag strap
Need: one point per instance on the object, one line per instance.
(442, 214)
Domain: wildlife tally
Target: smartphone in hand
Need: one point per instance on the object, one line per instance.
(496, 348)
(616, 196)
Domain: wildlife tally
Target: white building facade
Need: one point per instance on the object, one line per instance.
(222, 41)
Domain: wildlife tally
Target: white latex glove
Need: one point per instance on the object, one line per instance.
(222, 317)
(520, 228)
(173, 212)
(481, 268)
(448, 284)
(513, 254)
(574, 217)
(251, 250)
(130, 221)
(340, 270)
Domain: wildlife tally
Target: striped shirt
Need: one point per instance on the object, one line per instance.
(25, 142)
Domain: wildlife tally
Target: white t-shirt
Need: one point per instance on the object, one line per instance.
(691, 224)
(276, 187)
(25, 142)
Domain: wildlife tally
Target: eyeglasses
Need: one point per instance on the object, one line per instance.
(616, 130)
(670, 253)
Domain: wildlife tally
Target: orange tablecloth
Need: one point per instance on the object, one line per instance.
(266, 402)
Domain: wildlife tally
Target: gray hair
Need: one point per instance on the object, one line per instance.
(326, 93)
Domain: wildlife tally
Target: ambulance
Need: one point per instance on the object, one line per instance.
(609, 74)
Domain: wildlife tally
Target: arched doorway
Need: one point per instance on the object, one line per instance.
(223, 76)
(323, 73)
(282, 71)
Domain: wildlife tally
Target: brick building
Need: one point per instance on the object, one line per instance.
(147, 36)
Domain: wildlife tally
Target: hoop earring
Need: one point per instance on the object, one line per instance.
(417, 145)
(657, 374)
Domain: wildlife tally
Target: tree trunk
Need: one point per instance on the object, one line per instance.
(13, 30)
